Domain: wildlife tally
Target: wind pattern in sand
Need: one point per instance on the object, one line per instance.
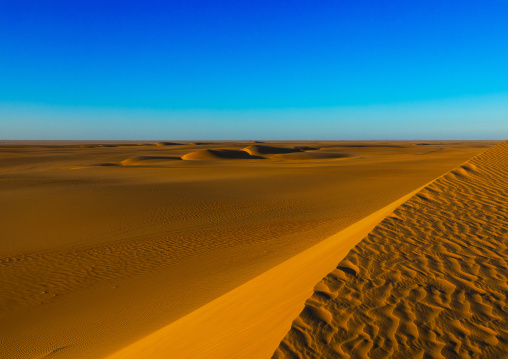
(430, 281)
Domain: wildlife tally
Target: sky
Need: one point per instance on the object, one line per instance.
(242, 70)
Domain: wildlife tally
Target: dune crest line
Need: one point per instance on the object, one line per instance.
(430, 281)
(251, 320)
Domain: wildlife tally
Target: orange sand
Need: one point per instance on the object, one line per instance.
(429, 282)
(105, 244)
(261, 308)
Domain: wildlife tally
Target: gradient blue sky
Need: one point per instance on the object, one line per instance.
(253, 69)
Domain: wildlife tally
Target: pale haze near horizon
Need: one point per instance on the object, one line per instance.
(484, 118)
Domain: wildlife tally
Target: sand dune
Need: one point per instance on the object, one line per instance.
(97, 255)
(167, 144)
(260, 150)
(148, 160)
(429, 282)
(199, 143)
(218, 154)
(249, 321)
(297, 153)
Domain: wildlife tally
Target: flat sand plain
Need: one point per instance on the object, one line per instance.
(104, 244)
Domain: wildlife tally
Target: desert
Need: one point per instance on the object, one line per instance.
(253, 179)
(174, 249)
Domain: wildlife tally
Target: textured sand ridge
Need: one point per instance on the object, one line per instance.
(228, 324)
(430, 281)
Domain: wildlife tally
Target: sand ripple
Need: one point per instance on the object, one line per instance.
(430, 281)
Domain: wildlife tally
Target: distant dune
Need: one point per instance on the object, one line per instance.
(260, 150)
(167, 144)
(297, 153)
(219, 154)
(148, 160)
(429, 282)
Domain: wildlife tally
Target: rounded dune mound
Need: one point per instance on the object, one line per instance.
(464, 171)
(167, 144)
(221, 154)
(148, 160)
(260, 150)
(306, 148)
(198, 143)
(314, 155)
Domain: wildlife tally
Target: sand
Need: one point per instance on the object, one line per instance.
(262, 308)
(107, 244)
(430, 281)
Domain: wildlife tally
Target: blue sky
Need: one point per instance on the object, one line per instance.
(253, 69)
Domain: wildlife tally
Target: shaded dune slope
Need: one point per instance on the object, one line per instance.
(430, 281)
(148, 160)
(251, 152)
(261, 150)
(220, 154)
(297, 153)
(167, 144)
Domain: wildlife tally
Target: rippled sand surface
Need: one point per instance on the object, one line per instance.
(430, 281)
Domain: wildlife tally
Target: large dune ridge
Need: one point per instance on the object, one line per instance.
(430, 281)
(104, 244)
(262, 308)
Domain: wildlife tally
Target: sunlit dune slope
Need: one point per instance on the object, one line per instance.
(429, 282)
(249, 321)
